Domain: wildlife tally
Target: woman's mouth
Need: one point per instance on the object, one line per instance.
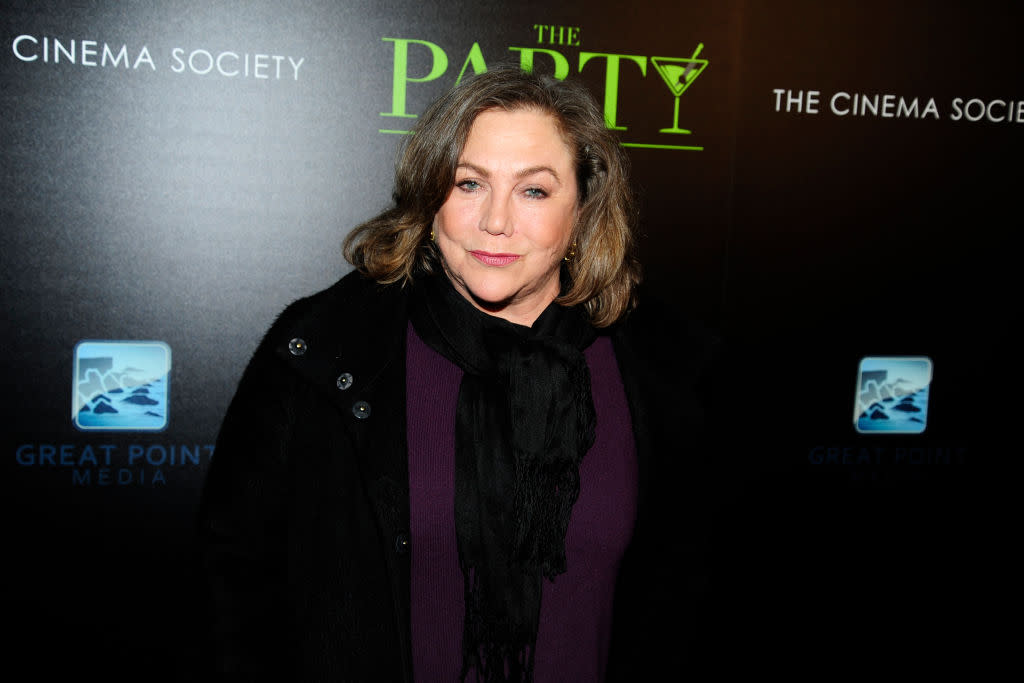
(489, 259)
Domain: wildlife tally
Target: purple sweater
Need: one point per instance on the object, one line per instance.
(576, 609)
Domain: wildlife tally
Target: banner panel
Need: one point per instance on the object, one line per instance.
(830, 187)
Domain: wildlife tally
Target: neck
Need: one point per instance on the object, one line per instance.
(519, 310)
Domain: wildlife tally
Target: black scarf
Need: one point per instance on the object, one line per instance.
(524, 420)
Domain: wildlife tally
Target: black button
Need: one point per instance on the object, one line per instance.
(297, 346)
(345, 381)
(402, 544)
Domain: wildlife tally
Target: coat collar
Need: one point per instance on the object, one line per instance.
(342, 339)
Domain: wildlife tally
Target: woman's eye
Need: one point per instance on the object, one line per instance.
(536, 193)
(468, 185)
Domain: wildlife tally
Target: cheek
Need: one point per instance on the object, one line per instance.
(446, 237)
(453, 221)
(557, 229)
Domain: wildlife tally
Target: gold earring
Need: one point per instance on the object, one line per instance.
(572, 253)
(433, 237)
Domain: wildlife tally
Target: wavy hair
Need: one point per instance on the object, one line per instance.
(604, 271)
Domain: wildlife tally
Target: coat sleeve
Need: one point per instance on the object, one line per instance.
(242, 529)
(668, 366)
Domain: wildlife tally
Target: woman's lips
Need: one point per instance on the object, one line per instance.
(490, 259)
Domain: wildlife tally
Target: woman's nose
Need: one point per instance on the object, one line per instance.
(497, 218)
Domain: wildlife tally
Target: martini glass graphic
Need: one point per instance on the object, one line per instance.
(678, 73)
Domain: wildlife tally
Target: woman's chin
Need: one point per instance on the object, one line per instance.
(490, 296)
(506, 300)
(492, 301)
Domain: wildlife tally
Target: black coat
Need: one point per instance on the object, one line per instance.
(305, 513)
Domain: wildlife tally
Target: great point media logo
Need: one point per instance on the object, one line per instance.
(431, 61)
(120, 385)
(892, 395)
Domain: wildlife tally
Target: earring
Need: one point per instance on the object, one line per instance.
(568, 258)
(433, 237)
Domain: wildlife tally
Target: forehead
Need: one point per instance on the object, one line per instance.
(526, 134)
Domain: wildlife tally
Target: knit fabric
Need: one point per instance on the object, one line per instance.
(575, 619)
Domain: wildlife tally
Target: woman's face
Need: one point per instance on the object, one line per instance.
(505, 226)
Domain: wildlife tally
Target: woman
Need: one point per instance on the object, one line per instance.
(449, 465)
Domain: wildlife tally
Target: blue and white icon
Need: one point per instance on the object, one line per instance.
(121, 385)
(892, 394)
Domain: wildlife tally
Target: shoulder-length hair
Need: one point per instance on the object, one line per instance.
(603, 268)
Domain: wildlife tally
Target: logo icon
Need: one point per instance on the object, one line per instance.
(678, 75)
(892, 394)
(120, 385)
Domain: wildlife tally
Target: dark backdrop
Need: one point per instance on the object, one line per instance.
(150, 197)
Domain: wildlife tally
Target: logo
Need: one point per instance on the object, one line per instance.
(419, 61)
(895, 106)
(678, 75)
(120, 385)
(892, 395)
(58, 51)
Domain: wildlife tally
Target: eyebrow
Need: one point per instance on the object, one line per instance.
(519, 174)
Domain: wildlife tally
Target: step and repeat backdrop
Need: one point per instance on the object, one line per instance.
(832, 187)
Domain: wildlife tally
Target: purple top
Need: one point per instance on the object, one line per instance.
(576, 609)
